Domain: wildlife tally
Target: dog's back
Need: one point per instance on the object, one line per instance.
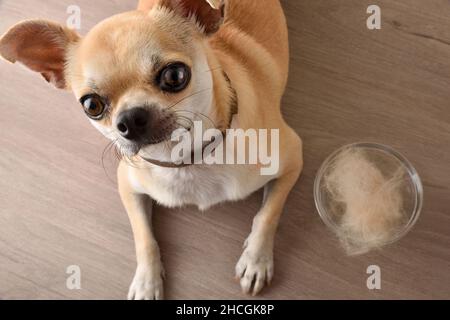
(265, 22)
(254, 40)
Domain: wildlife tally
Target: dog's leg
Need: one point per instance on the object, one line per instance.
(148, 280)
(255, 267)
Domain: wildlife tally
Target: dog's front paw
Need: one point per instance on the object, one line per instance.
(147, 283)
(255, 270)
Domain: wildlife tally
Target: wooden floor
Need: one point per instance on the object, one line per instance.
(59, 207)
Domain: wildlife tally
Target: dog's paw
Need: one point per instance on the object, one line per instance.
(255, 270)
(147, 283)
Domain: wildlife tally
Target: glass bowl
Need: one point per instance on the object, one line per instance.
(386, 160)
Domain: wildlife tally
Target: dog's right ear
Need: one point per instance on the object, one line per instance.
(41, 46)
(208, 13)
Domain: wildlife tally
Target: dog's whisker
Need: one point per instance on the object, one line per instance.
(181, 119)
(200, 115)
(188, 97)
(214, 69)
(106, 150)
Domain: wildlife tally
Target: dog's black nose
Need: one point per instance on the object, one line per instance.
(134, 124)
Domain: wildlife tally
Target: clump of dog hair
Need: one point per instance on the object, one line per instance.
(368, 206)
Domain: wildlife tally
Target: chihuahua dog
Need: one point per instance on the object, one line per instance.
(141, 75)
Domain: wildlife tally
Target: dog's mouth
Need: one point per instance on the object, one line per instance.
(157, 129)
(133, 148)
(157, 140)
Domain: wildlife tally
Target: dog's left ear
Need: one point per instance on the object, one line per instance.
(41, 46)
(209, 13)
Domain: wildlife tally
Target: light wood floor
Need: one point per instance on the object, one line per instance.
(58, 207)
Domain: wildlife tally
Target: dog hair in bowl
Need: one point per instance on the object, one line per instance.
(369, 203)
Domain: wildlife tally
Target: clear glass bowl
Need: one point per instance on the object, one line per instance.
(387, 160)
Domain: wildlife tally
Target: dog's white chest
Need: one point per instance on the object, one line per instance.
(203, 186)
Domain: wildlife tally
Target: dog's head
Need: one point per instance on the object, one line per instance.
(138, 76)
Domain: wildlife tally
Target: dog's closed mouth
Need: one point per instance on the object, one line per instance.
(133, 149)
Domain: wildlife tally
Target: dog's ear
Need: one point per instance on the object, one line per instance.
(41, 46)
(208, 13)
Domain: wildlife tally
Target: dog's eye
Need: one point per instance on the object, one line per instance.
(94, 106)
(175, 77)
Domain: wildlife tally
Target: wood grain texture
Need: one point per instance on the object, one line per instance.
(59, 207)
